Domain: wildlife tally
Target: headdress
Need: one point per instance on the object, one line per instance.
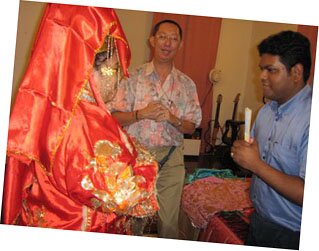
(61, 142)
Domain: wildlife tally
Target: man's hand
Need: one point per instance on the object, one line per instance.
(159, 113)
(246, 154)
(152, 111)
(165, 115)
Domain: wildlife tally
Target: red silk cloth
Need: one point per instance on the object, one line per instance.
(230, 228)
(53, 132)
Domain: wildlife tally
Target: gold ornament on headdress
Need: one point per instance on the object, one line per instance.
(109, 47)
(107, 71)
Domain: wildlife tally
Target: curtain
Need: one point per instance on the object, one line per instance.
(197, 57)
(311, 32)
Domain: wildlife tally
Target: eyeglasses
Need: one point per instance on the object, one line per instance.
(164, 38)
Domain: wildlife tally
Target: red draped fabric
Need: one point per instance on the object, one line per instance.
(66, 155)
(197, 56)
(312, 33)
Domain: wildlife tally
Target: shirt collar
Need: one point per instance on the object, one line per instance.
(150, 69)
(291, 103)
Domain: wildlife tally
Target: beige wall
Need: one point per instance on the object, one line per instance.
(237, 56)
(137, 26)
(232, 61)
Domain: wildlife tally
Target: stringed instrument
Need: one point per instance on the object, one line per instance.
(216, 121)
(232, 126)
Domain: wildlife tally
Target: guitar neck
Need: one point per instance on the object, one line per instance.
(216, 125)
(216, 122)
(235, 106)
(214, 135)
(234, 111)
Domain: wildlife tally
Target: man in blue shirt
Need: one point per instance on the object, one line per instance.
(277, 151)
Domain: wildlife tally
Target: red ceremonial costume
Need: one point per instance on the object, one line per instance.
(69, 163)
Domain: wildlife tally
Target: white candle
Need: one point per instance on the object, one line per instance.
(247, 124)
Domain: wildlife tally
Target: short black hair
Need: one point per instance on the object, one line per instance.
(157, 26)
(292, 47)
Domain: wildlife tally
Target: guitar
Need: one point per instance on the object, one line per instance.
(236, 100)
(232, 126)
(216, 122)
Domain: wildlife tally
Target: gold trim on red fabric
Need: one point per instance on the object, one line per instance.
(30, 157)
(67, 124)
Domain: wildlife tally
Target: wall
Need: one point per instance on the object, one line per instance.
(232, 60)
(137, 27)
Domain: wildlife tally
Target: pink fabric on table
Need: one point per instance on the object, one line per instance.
(203, 198)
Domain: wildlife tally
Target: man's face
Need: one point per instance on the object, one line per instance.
(277, 82)
(166, 42)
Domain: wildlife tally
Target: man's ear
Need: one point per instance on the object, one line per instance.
(152, 41)
(181, 45)
(297, 72)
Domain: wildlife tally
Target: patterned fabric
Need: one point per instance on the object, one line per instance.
(203, 198)
(206, 172)
(69, 163)
(282, 134)
(178, 93)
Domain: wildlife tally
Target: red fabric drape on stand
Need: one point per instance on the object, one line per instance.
(197, 56)
(311, 32)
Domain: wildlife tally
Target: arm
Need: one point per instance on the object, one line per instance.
(184, 126)
(190, 112)
(247, 156)
(154, 111)
(125, 118)
(151, 111)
